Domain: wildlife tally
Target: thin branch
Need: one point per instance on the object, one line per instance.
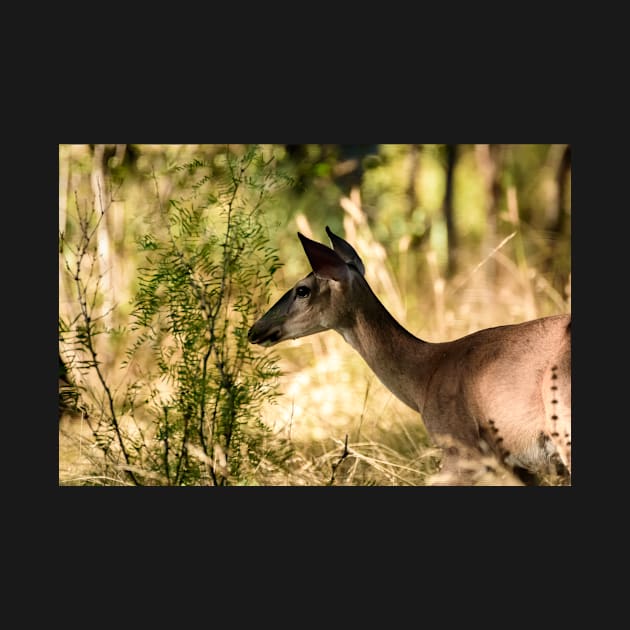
(456, 286)
(87, 341)
(336, 465)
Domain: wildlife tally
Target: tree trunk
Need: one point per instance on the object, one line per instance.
(447, 208)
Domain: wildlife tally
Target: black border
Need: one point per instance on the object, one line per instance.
(420, 522)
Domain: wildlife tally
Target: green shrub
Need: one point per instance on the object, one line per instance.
(206, 266)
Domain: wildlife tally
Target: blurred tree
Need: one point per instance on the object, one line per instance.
(342, 164)
(415, 203)
(116, 158)
(564, 185)
(558, 263)
(490, 160)
(448, 209)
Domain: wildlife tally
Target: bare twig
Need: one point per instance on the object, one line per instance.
(335, 465)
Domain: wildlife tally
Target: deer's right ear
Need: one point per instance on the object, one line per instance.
(325, 262)
(346, 251)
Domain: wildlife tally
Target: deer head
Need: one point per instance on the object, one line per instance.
(311, 305)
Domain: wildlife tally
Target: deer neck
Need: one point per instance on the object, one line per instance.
(402, 362)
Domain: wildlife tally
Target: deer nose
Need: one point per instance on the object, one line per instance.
(264, 334)
(256, 333)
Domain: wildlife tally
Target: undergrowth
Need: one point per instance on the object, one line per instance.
(191, 413)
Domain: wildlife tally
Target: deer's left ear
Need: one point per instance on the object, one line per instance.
(324, 261)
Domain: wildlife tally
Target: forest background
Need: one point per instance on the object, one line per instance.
(168, 253)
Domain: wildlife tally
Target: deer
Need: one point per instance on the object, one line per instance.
(504, 390)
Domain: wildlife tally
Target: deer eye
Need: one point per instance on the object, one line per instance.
(302, 292)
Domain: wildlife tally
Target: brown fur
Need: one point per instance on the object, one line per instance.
(504, 390)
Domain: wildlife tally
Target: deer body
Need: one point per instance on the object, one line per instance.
(506, 388)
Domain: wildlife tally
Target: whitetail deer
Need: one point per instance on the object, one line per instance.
(506, 388)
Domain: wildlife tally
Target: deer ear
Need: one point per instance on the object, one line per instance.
(324, 261)
(346, 251)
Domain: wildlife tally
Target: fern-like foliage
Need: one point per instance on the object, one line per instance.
(195, 303)
(192, 414)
